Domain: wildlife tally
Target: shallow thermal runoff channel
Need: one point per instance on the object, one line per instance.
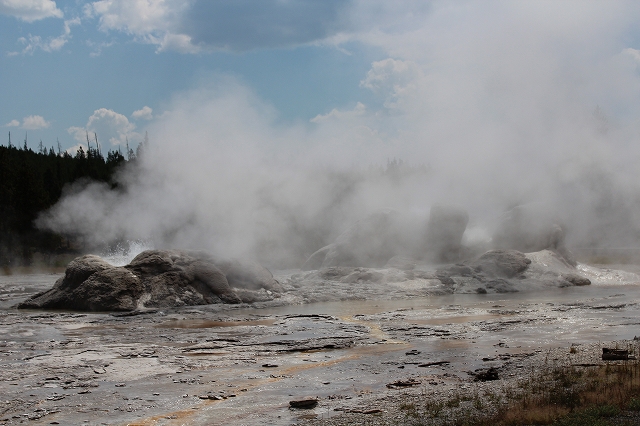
(350, 345)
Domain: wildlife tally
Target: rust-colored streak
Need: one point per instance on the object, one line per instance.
(183, 417)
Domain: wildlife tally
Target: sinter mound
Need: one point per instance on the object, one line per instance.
(156, 279)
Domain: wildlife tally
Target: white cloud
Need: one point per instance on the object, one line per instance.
(632, 53)
(12, 123)
(150, 21)
(179, 43)
(51, 44)
(74, 149)
(33, 43)
(97, 47)
(109, 125)
(257, 24)
(135, 16)
(336, 114)
(78, 133)
(196, 26)
(69, 23)
(30, 10)
(390, 78)
(35, 122)
(146, 113)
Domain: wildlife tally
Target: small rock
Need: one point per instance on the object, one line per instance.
(485, 375)
(360, 411)
(576, 280)
(403, 383)
(434, 363)
(212, 397)
(304, 403)
(55, 397)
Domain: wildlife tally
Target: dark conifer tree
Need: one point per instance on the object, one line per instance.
(31, 182)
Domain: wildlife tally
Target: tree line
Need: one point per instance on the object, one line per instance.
(33, 181)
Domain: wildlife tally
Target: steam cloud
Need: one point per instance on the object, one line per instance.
(503, 102)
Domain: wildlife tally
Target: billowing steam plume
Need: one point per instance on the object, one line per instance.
(489, 104)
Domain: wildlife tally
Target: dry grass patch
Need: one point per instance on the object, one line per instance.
(559, 393)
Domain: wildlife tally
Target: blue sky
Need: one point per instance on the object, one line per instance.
(418, 79)
(63, 60)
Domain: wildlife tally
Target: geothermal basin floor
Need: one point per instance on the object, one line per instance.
(242, 364)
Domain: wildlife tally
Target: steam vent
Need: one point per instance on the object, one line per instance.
(156, 279)
(382, 252)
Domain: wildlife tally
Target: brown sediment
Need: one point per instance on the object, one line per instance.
(453, 344)
(174, 417)
(360, 352)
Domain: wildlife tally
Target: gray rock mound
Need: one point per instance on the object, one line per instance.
(248, 275)
(90, 284)
(83, 267)
(501, 263)
(495, 271)
(155, 279)
(345, 274)
(506, 271)
(531, 228)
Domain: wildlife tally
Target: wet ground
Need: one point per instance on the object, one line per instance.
(243, 365)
